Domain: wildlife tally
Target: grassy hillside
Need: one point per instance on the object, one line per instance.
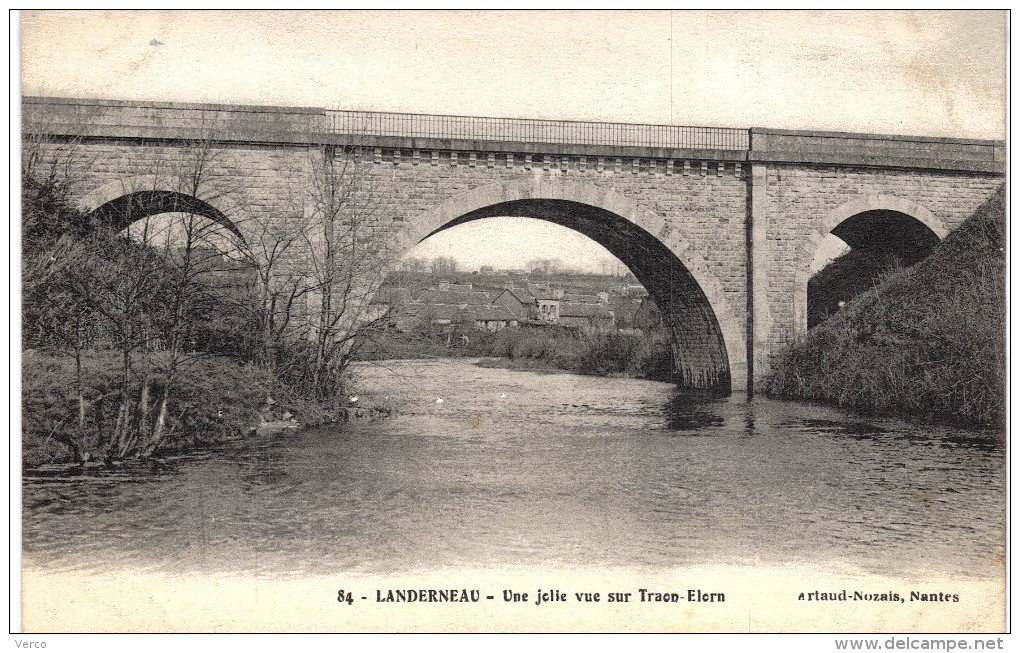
(845, 278)
(929, 340)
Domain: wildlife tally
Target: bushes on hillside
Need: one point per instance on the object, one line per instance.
(599, 353)
(928, 340)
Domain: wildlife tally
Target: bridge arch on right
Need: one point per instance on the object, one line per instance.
(878, 232)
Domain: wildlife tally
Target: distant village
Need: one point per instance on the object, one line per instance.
(440, 298)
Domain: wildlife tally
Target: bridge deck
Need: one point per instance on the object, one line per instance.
(316, 126)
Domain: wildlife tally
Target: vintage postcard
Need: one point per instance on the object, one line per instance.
(553, 321)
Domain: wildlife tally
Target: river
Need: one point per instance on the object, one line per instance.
(487, 467)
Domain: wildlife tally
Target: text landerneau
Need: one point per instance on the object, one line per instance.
(428, 596)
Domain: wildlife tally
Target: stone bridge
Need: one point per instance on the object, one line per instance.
(720, 225)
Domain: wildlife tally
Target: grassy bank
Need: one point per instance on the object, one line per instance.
(396, 345)
(213, 400)
(926, 341)
(596, 353)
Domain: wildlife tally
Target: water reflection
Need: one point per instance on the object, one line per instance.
(847, 427)
(692, 413)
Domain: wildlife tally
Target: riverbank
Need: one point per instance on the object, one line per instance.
(928, 341)
(598, 353)
(213, 400)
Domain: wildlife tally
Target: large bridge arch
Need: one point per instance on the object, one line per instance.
(708, 340)
(876, 208)
(126, 200)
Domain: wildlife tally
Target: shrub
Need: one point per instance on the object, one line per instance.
(928, 340)
(212, 400)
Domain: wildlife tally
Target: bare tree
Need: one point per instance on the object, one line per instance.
(281, 285)
(443, 266)
(144, 289)
(413, 264)
(346, 258)
(188, 260)
(122, 283)
(54, 319)
(60, 322)
(151, 291)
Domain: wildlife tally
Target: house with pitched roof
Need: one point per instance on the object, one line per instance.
(493, 317)
(585, 316)
(519, 302)
(454, 297)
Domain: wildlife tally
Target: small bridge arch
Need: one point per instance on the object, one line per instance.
(860, 222)
(125, 201)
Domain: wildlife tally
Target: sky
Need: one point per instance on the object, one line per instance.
(503, 250)
(922, 73)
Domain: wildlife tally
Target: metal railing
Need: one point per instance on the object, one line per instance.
(416, 125)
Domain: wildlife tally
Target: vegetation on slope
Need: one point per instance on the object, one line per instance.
(172, 332)
(928, 341)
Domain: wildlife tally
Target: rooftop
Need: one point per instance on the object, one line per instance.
(460, 298)
(490, 312)
(569, 309)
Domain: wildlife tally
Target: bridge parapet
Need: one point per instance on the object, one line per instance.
(519, 130)
(400, 131)
(919, 152)
(173, 120)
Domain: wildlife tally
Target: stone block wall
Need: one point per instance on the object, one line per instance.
(805, 202)
(243, 181)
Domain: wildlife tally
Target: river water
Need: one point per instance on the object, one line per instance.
(490, 467)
